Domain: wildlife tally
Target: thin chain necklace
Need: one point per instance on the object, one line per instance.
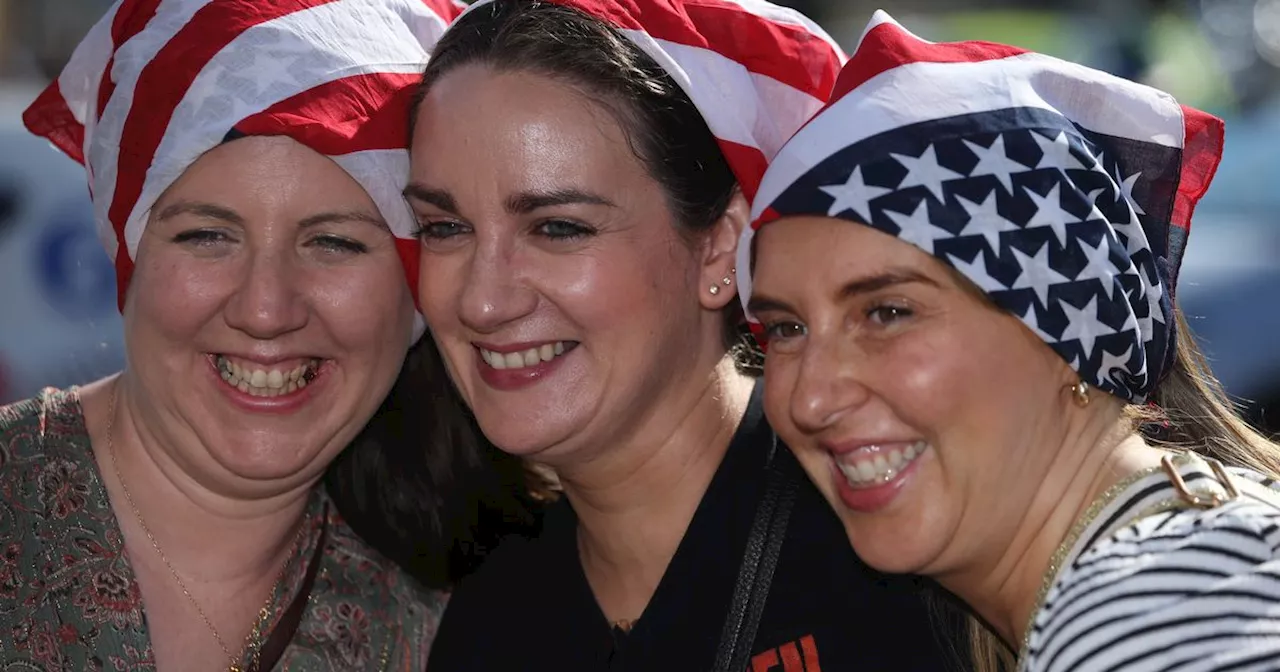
(254, 638)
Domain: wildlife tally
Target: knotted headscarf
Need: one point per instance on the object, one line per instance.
(1064, 193)
(755, 70)
(157, 83)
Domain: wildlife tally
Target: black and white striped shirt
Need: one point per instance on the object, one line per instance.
(1149, 588)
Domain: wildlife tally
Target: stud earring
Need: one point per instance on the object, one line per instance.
(1080, 393)
(727, 281)
(715, 289)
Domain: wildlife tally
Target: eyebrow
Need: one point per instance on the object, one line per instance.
(205, 210)
(218, 212)
(522, 203)
(865, 285)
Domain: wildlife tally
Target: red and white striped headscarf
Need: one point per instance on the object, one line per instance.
(157, 83)
(755, 70)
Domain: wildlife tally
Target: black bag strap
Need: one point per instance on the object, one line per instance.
(272, 650)
(755, 575)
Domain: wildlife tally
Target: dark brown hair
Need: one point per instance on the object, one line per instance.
(666, 131)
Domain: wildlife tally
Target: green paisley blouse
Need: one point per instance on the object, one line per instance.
(69, 599)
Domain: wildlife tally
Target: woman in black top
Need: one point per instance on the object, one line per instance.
(579, 222)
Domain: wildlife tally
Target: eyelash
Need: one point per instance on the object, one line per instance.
(444, 229)
(330, 243)
(895, 313)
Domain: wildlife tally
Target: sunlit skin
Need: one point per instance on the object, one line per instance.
(540, 226)
(873, 342)
(269, 252)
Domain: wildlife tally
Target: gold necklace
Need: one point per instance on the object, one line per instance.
(253, 639)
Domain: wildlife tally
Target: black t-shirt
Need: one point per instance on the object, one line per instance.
(530, 607)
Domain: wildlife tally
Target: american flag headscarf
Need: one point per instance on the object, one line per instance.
(1064, 193)
(755, 70)
(157, 83)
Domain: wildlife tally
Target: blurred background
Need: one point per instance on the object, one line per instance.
(58, 320)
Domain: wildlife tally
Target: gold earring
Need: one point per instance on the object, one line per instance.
(1080, 393)
(715, 289)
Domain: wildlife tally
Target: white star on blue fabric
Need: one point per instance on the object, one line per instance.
(1037, 274)
(1049, 213)
(854, 194)
(1099, 266)
(925, 171)
(1057, 152)
(1083, 325)
(916, 227)
(985, 221)
(995, 162)
(977, 272)
(1033, 324)
(1153, 294)
(1112, 362)
(1126, 190)
(1135, 239)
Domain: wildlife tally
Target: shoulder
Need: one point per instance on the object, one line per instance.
(360, 591)
(27, 425)
(1202, 577)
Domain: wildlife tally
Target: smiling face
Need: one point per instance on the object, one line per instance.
(564, 300)
(911, 401)
(267, 316)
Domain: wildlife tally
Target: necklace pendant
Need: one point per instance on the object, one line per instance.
(235, 667)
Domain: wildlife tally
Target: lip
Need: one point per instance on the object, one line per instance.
(874, 498)
(270, 360)
(510, 380)
(281, 405)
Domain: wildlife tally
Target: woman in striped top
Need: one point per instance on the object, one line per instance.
(954, 210)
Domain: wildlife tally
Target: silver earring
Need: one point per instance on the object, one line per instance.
(715, 289)
(727, 281)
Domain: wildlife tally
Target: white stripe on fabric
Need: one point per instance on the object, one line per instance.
(919, 92)
(740, 106)
(271, 62)
(383, 173)
(103, 145)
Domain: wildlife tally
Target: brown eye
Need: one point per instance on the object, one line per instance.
(783, 330)
(888, 314)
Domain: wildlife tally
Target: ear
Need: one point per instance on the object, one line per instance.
(720, 253)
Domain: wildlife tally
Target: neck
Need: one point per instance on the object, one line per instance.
(1004, 587)
(206, 535)
(635, 501)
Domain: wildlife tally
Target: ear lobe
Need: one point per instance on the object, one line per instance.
(719, 284)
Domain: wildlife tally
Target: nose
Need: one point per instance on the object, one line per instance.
(828, 386)
(268, 301)
(494, 291)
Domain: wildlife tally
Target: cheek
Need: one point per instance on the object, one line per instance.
(175, 295)
(363, 304)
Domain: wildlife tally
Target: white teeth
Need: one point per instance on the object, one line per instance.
(525, 358)
(877, 466)
(262, 382)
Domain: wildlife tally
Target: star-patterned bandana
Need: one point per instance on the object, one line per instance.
(157, 83)
(1062, 192)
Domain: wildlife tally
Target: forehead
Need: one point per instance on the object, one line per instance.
(518, 129)
(268, 173)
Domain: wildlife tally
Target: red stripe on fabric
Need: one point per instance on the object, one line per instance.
(748, 165)
(1201, 154)
(346, 115)
(165, 80)
(131, 17)
(49, 117)
(786, 52)
(410, 252)
(446, 9)
(888, 46)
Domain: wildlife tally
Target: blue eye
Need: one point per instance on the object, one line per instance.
(201, 237)
(339, 244)
(439, 230)
(560, 229)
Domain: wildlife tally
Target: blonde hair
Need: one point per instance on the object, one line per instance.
(1189, 411)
